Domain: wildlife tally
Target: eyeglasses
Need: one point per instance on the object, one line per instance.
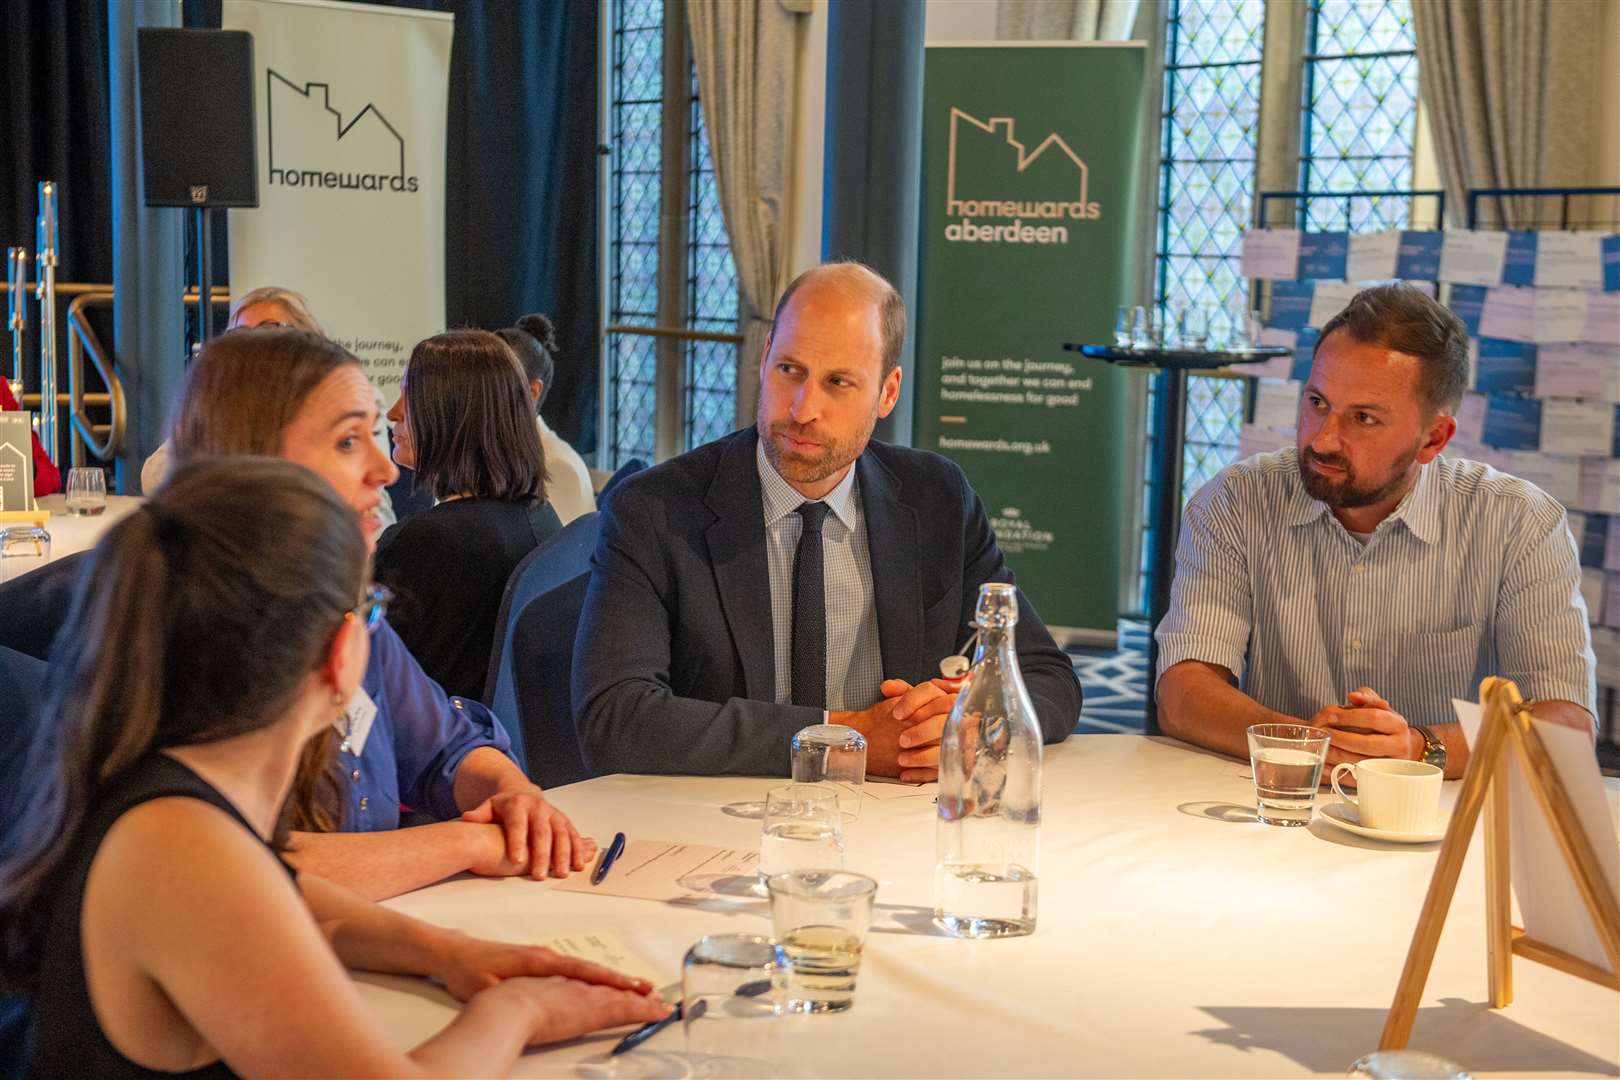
(373, 607)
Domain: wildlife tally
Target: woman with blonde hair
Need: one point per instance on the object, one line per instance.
(222, 627)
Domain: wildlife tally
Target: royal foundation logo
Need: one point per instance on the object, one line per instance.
(312, 145)
(999, 191)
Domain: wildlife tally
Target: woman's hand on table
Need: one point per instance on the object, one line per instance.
(561, 1008)
(466, 965)
(539, 837)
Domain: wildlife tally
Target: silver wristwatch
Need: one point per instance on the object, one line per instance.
(1434, 751)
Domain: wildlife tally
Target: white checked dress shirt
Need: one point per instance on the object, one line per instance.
(1474, 574)
(854, 662)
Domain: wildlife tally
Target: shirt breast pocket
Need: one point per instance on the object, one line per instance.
(1436, 668)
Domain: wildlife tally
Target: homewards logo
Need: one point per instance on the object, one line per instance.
(313, 146)
(992, 175)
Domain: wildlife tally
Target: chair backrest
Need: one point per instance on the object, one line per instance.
(36, 604)
(564, 556)
(628, 469)
(542, 661)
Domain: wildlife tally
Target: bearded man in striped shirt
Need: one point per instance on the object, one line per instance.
(1361, 580)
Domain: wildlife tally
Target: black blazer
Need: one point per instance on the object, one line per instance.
(674, 670)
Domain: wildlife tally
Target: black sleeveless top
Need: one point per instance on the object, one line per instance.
(67, 1039)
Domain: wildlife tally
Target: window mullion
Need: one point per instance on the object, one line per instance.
(673, 225)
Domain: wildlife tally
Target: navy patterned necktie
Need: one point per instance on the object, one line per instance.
(810, 611)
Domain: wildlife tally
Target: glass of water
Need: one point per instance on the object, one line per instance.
(86, 492)
(1194, 327)
(803, 830)
(23, 548)
(732, 987)
(821, 918)
(834, 755)
(1287, 761)
(1141, 329)
(1122, 328)
(1407, 1065)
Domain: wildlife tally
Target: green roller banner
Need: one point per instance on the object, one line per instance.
(1030, 177)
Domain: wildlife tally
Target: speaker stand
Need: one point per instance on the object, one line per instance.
(205, 284)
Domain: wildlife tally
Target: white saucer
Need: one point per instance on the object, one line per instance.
(1343, 815)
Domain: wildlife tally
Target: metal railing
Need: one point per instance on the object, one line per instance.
(90, 438)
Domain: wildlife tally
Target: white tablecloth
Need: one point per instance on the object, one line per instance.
(70, 533)
(1177, 937)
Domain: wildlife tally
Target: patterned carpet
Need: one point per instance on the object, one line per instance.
(1114, 681)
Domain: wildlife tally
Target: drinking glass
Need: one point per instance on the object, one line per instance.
(834, 755)
(1194, 327)
(732, 987)
(1407, 1065)
(1141, 329)
(23, 548)
(1287, 761)
(803, 830)
(1122, 328)
(86, 492)
(821, 918)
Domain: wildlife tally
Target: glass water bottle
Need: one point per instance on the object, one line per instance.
(988, 836)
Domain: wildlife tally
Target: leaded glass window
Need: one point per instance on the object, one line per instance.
(705, 297)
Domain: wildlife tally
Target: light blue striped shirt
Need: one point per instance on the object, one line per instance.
(1474, 573)
(854, 659)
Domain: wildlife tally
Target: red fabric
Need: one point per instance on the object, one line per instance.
(47, 479)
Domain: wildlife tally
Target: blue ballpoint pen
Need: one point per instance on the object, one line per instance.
(647, 1031)
(614, 850)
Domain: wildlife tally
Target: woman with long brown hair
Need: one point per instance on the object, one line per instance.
(465, 423)
(219, 629)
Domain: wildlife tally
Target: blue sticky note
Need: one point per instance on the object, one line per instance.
(1595, 540)
(1468, 304)
(1323, 255)
(1611, 263)
(1419, 256)
(1519, 265)
(1290, 304)
(1513, 423)
(1505, 367)
(1304, 348)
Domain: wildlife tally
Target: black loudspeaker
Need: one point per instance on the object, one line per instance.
(198, 145)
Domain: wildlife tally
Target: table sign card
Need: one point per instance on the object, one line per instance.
(1271, 254)
(1520, 266)
(16, 461)
(1372, 256)
(1323, 255)
(1569, 260)
(1473, 257)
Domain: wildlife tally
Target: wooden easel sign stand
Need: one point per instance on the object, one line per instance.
(1506, 729)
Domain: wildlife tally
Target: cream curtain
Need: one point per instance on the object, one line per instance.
(1065, 20)
(1510, 86)
(744, 54)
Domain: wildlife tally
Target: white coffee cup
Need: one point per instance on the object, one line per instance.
(1393, 794)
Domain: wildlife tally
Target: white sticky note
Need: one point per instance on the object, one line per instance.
(1271, 254)
(1560, 315)
(1276, 404)
(1558, 476)
(1510, 314)
(1278, 367)
(1372, 256)
(1569, 260)
(1581, 428)
(1254, 439)
(1579, 371)
(1469, 257)
(1330, 298)
(1600, 486)
(1602, 319)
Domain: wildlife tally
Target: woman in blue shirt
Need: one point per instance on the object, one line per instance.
(296, 395)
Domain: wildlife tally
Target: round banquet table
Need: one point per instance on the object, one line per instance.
(71, 534)
(1177, 937)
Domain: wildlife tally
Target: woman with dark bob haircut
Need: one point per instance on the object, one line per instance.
(218, 630)
(465, 423)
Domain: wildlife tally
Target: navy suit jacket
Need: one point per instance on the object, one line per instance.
(674, 667)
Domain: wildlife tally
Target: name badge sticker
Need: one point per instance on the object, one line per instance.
(355, 723)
